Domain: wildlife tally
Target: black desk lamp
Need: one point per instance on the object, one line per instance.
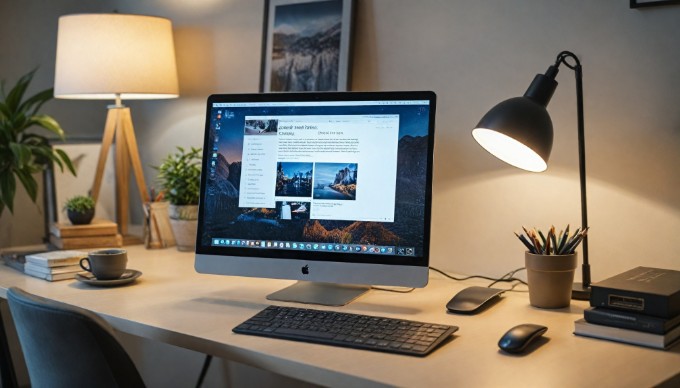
(519, 132)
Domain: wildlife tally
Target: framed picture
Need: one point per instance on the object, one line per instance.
(61, 185)
(651, 3)
(306, 45)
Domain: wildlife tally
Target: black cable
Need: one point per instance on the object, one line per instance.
(507, 278)
(393, 290)
(204, 370)
(510, 275)
(512, 288)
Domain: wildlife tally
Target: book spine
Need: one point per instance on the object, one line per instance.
(636, 302)
(626, 320)
(38, 275)
(51, 277)
(583, 328)
(15, 260)
(91, 232)
(87, 242)
(36, 268)
(52, 270)
(54, 262)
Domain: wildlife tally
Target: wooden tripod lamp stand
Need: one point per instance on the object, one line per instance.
(116, 57)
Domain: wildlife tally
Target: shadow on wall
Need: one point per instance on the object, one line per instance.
(194, 50)
(633, 161)
(365, 75)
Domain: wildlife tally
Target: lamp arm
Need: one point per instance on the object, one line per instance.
(578, 71)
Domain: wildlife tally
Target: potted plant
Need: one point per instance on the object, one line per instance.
(24, 153)
(80, 209)
(179, 176)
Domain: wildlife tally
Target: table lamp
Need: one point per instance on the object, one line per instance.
(519, 132)
(116, 57)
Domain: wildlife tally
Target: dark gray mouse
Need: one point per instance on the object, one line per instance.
(473, 299)
(519, 337)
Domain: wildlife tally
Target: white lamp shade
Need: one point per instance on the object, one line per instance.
(100, 56)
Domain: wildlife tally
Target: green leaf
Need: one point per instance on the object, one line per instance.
(4, 110)
(17, 93)
(22, 154)
(33, 139)
(18, 122)
(47, 155)
(8, 187)
(67, 161)
(29, 183)
(34, 103)
(48, 123)
(5, 136)
(79, 203)
(179, 175)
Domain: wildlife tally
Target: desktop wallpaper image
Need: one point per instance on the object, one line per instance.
(222, 218)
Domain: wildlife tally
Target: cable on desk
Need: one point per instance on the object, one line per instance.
(507, 278)
(400, 291)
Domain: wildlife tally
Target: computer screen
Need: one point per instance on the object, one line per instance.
(321, 187)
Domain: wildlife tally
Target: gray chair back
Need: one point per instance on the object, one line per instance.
(66, 346)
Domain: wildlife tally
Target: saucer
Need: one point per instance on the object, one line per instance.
(129, 276)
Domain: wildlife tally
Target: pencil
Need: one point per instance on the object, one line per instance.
(563, 241)
(554, 238)
(525, 242)
(537, 244)
(542, 236)
(576, 241)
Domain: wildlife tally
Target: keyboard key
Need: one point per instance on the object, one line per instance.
(305, 333)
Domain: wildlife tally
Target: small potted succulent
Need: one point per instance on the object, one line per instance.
(180, 178)
(80, 209)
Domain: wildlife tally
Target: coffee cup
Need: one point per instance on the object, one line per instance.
(105, 264)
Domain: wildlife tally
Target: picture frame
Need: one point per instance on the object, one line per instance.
(61, 185)
(652, 3)
(307, 45)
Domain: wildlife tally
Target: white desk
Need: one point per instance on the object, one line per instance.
(173, 304)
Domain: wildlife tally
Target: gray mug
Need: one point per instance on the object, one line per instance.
(105, 264)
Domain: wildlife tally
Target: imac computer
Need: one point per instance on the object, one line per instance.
(330, 189)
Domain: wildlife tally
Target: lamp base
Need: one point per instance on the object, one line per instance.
(579, 292)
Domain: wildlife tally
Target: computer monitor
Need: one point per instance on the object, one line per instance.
(331, 189)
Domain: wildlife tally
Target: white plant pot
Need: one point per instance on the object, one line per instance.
(183, 212)
(184, 222)
(185, 234)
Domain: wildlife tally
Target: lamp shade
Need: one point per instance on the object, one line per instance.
(100, 56)
(519, 132)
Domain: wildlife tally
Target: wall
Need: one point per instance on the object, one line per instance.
(473, 54)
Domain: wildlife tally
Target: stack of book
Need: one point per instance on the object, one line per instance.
(15, 257)
(54, 265)
(640, 307)
(97, 234)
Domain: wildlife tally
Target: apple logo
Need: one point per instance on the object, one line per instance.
(305, 270)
